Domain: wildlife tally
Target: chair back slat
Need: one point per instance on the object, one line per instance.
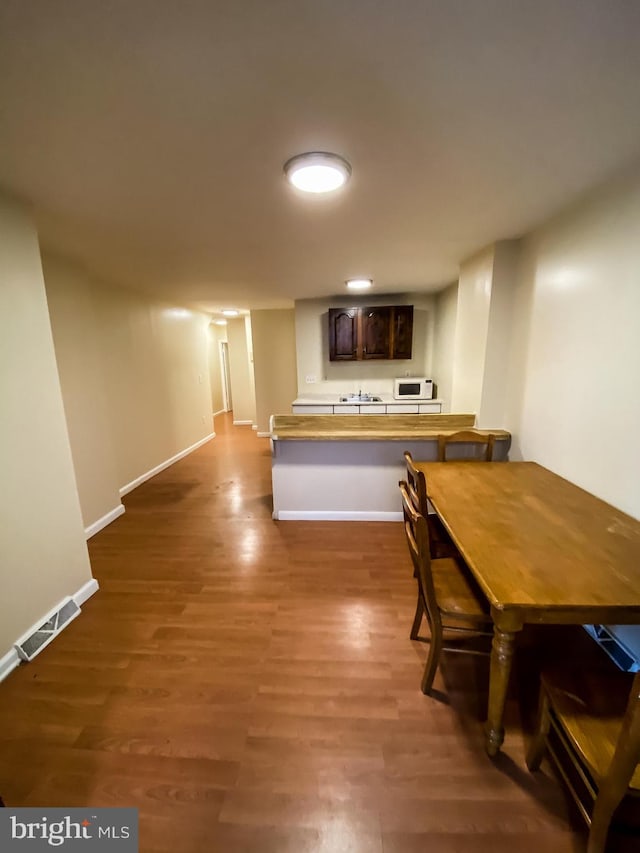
(417, 534)
(417, 485)
(483, 443)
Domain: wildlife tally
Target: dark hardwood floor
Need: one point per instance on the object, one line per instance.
(250, 685)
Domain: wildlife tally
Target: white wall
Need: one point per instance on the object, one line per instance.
(312, 341)
(157, 378)
(578, 342)
(79, 357)
(495, 375)
(135, 381)
(547, 342)
(252, 378)
(446, 309)
(241, 370)
(274, 362)
(217, 334)
(472, 328)
(43, 555)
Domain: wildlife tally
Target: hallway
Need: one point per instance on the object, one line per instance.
(250, 686)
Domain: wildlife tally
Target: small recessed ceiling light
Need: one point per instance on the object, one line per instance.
(221, 322)
(317, 171)
(231, 312)
(359, 283)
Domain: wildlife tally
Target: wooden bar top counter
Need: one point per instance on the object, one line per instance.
(372, 427)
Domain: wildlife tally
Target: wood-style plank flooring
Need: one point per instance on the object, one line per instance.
(250, 686)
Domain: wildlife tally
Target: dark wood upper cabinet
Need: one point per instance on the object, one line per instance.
(343, 334)
(375, 332)
(402, 331)
(380, 332)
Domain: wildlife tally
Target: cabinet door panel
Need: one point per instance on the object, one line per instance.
(343, 334)
(376, 332)
(403, 409)
(311, 410)
(402, 331)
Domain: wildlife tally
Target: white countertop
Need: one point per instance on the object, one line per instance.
(334, 400)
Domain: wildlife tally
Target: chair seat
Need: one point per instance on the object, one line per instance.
(447, 595)
(457, 594)
(591, 706)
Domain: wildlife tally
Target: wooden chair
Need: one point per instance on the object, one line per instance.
(447, 594)
(596, 720)
(439, 540)
(483, 445)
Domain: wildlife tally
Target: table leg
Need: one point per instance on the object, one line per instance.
(501, 659)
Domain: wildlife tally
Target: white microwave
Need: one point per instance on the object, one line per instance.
(413, 388)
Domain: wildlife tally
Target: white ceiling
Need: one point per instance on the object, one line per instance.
(150, 134)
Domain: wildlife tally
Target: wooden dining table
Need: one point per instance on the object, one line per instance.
(543, 550)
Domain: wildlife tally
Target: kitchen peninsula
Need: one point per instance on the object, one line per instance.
(347, 467)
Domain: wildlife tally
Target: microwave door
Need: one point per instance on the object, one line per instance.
(409, 389)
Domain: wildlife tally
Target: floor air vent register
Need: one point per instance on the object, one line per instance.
(37, 638)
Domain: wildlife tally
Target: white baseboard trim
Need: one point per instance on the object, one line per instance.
(243, 423)
(264, 435)
(219, 412)
(149, 474)
(331, 515)
(85, 592)
(254, 426)
(8, 663)
(98, 525)
(11, 660)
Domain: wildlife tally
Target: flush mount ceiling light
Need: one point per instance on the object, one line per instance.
(221, 322)
(230, 312)
(359, 283)
(317, 171)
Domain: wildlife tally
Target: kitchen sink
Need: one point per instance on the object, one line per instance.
(360, 398)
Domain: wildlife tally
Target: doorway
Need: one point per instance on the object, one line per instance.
(227, 403)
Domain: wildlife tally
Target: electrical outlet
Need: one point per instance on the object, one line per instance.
(310, 379)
